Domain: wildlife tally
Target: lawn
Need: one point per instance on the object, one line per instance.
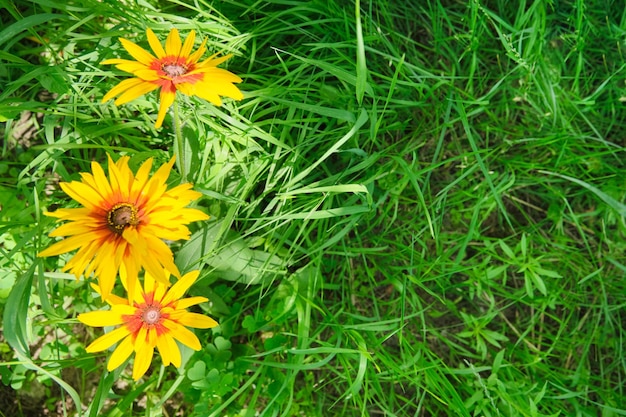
(416, 208)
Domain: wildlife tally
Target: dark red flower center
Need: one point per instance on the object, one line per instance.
(122, 215)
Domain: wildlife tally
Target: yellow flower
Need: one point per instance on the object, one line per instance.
(155, 317)
(123, 222)
(173, 69)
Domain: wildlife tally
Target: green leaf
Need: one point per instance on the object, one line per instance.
(236, 262)
(54, 79)
(28, 363)
(547, 273)
(197, 371)
(5, 56)
(25, 23)
(613, 203)
(361, 66)
(232, 260)
(193, 253)
(507, 249)
(497, 362)
(14, 321)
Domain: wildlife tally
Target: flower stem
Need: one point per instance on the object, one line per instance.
(179, 149)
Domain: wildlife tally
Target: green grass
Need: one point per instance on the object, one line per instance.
(417, 210)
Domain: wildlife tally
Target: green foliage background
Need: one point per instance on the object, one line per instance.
(416, 210)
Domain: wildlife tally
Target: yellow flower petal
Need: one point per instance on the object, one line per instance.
(195, 57)
(181, 286)
(143, 358)
(66, 245)
(149, 322)
(121, 353)
(141, 338)
(135, 92)
(213, 61)
(172, 43)
(102, 184)
(107, 340)
(188, 45)
(82, 193)
(197, 321)
(141, 178)
(188, 302)
(101, 318)
(175, 68)
(187, 89)
(155, 44)
(121, 87)
(169, 350)
(147, 75)
(138, 52)
(182, 334)
(132, 67)
(209, 95)
(167, 99)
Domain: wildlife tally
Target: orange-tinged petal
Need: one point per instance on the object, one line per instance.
(141, 178)
(176, 67)
(141, 338)
(167, 99)
(102, 183)
(150, 321)
(159, 292)
(66, 245)
(105, 247)
(82, 193)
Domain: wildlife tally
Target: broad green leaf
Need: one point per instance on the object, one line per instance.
(54, 79)
(14, 321)
(229, 255)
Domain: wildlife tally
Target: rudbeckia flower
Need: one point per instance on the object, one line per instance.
(154, 317)
(172, 69)
(123, 223)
